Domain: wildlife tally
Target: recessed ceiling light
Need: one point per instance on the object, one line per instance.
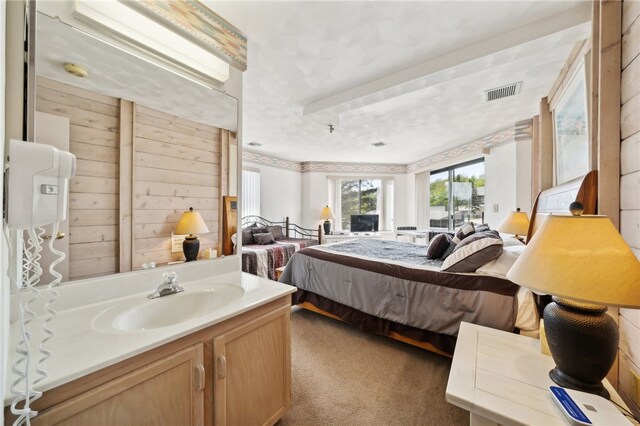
(254, 144)
(378, 144)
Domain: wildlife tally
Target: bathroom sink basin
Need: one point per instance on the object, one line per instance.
(139, 314)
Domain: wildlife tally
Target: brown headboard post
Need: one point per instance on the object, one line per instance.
(319, 234)
(556, 200)
(286, 223)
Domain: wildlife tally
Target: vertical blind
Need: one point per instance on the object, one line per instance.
(250, 193)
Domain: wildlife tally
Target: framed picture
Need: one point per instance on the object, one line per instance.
(572, 151)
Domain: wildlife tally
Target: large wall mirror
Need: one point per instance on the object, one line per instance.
(149, 145)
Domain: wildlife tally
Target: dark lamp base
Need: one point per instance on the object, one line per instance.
(190, 248)
(569, 382)
(327, 227)
(583, 341)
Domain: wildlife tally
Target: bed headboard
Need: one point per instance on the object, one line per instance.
(290, 229)
(557, 199)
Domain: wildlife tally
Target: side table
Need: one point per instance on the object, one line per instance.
(502, 378)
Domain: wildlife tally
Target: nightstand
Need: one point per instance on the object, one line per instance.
(502, 378)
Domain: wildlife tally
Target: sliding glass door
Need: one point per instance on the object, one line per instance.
(457, 195)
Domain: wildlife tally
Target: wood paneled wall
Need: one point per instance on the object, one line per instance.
(167, 165)
(177, 166)
(629, 354)
(93, 192)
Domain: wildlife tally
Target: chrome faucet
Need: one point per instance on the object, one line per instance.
(169, 286)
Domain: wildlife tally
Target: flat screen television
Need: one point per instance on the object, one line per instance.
(364, 223)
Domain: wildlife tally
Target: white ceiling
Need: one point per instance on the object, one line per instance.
(411, 74)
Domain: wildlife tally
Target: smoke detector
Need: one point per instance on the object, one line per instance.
(502, 92)
(76, 70)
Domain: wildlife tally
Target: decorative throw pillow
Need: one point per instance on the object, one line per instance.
(247, 237)
(438, 245)
(276, 231)
(483, 227)
(471, 255)
(464, 231)
(477, 236)
(264, 238)
(259, 230)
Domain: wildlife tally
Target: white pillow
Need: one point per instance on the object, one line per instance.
(510, 241)
(501, 265)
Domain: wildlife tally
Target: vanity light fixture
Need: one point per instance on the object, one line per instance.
(117, 20)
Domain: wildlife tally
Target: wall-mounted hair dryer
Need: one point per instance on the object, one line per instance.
(37, 184)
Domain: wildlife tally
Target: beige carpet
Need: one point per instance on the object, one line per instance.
(342, 376)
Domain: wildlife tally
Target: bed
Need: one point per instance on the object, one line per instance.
(263, 259)
(390, 288)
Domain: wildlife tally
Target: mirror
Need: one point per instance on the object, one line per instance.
(149, 145)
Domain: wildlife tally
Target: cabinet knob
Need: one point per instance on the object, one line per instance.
(222, 366)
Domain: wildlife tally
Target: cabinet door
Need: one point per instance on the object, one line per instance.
(169, 391)
(253, 371)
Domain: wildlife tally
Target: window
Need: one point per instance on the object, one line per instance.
(457, 195)
(350, 196)
(250, 193)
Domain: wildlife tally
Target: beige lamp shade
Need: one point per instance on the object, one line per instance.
(327, 213)
(582, 258)
(516, 223)
(191, 223)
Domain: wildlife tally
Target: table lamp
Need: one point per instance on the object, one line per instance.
(586, 265)
(191, 223)
(327, 214)
(516, 223)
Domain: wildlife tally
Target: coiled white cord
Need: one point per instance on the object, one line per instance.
(48, 307)
(32, 275)
(21, 387)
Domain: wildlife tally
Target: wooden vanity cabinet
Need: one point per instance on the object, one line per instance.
(141, 395)
(253, 371)
(237, 372)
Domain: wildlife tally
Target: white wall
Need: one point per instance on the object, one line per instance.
(500, 183)
(280, 192)
(315, 196)
(523, 175)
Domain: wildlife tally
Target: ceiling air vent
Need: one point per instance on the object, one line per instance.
(502, 92)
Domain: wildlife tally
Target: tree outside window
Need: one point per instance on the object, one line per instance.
(358, 196)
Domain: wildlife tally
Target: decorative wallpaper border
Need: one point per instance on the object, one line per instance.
(353, 167)
(271, 161)
(522, 130)
(201, 25)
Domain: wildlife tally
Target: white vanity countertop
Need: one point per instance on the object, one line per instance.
(78, 349)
